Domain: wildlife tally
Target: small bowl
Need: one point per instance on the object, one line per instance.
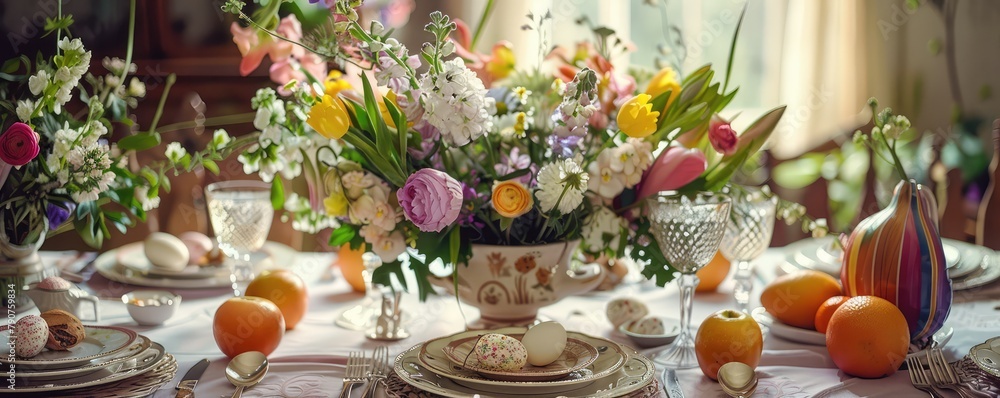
(151, 307)
(671, 326)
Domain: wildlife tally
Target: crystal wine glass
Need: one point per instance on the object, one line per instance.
(241, 215)
(688, 228)
(748, 234)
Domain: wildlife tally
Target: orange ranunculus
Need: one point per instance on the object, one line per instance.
(329, 117)
(665, 80)
(511, 199)
(636, 118)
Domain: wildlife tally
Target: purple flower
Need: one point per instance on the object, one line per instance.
(431, 199)
(428, 136)
(58, 214)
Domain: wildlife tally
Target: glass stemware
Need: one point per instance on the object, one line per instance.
(688, 228)
(748, 234)
(241, 215)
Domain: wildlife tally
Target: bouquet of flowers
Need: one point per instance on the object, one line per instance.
(58, 170)
(446, 147)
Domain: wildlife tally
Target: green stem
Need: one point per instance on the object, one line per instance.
(131, 39)
(59, 31)
(896, 162)
(250, 21)
(209, 122)
(163, 99)
(482, 23)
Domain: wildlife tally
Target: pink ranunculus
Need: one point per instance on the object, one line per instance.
(675, 168)
(18, 145)
(723, 137)
(431, 199)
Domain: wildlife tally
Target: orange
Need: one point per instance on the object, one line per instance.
(727, 336)
(826, 311)
(351, 265)
(868, 337)
(247, 323)
(286, 290)
(712, 275)
(794, 298)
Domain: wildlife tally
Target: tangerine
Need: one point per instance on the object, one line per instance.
(794, 298)
(248, 323)
(286, 290)
(868, 337)
(351, 266)
(712, 275)
(826, 311)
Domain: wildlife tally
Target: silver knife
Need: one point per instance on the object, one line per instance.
(185, 387)
(671, 385)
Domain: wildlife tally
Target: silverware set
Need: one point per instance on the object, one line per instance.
(930, 372)
(370, 371)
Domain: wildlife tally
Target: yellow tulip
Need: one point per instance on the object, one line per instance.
(511, 199)
(384, 109)
(329, 117)
(335, 83)
(665, 80)
(636, 118)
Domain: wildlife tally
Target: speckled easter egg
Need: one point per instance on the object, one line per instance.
(648, 326)
(622, 310)
(32, 332)
(54, 283)
(500, 352)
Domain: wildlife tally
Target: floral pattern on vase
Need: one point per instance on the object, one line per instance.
(896, 254)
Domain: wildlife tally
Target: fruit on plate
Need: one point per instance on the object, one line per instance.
(868, 337)
(65, 330)
(32, 333)
(794, 298)
(248, 323)
(286, 290)
(712, 275)
(826, 310)
(544, 342)
(727, 336)
(500, 352)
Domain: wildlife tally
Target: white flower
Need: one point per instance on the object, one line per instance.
(455, 102)
(220, 138)
(38, 82)
(385, 216)
(603, 230)
(263, 118)
(63, 75)
(604, 180)
(561, 185)
(270, 135)
(24, 109)
(142, 195)
(136, 88)
(362, 210)
(63, 95)
(67, 45)
(631, 159)
(175, 152)
(390, 247)
(902, 122)
(355, 183)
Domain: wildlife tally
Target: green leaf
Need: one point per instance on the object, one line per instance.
(343, 234)
(277, 193)
(505, 223)
(211, 166)
(732, 48)
(514, 174)
(139, 142)
(799, 173)
(10, 66)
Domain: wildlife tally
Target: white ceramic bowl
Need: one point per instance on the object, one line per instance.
(151, 307)
(670, 325)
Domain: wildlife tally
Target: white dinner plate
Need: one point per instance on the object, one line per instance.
(100, 341)
(133, 257)
(108, 266)
(818, 254)
(635, 373)
(138, 347)
(987, 272)
(812, 337)
(110, 374)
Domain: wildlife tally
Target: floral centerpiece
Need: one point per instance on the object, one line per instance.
(59, 170)
(443, 148)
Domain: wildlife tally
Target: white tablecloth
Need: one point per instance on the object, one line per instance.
(787, 369)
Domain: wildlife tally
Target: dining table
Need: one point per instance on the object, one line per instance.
(310, 359)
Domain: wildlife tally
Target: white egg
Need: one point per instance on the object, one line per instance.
(166, 251)
(198, 245)
(545, 342)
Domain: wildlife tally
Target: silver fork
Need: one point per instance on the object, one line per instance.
(355, 373)
(919, 377)
(942, 374)
(378, 370)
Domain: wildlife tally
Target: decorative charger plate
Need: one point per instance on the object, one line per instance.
(107, 375)
(635, 373)
(134, 350)
(108, 266)
(133, 258)
(577, 355)
(813, 337)
(101, 341)
(610, 357)
(987, 356)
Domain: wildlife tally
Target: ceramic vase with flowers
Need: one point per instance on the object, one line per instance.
(492, 170)
(896, 253)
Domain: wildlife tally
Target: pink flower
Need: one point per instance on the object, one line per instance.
(723, 137)
(18, 145)
(431, 199)
(675, 168)
(253, 48)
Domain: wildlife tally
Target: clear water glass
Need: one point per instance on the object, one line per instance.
(688, 229)
(241, 214)
(748, 235)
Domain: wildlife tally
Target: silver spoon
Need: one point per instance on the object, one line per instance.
(737, 379)
(245, 370)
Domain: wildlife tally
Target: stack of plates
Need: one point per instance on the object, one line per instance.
(128, 264)
(969, 265)
(589, 366)
(110, 358)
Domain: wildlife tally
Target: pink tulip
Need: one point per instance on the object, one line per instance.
(675, 168)
(722, 137)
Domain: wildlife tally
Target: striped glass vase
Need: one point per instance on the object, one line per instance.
(896, 254)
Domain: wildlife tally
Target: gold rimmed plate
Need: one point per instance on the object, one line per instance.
(100, 342)
(577, 355)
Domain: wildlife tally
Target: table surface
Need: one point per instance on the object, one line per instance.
(787, 369)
